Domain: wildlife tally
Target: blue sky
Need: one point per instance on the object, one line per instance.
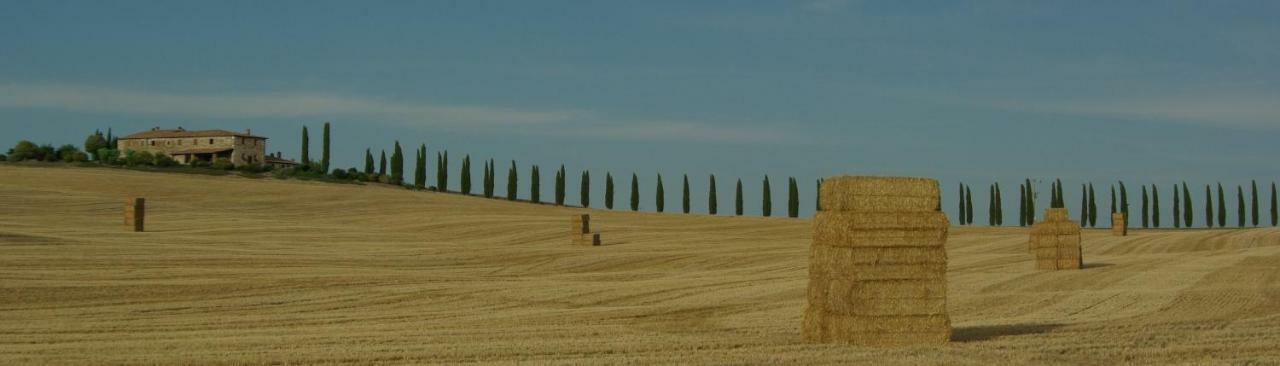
(1148, 93)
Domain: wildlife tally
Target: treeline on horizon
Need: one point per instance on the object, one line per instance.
(99, 148)
(390, 169)
(1183, 205)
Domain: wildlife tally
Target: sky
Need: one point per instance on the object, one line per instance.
(974, 92)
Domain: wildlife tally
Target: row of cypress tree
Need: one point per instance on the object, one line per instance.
(1246, 213)
(489, 176)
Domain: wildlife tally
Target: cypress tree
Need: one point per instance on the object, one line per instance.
(1177, 207)
(960, 214)
(1208, 206)
(1062, 200)
(419, 176)
(1022, 205)
(486, 183)
(792, 198)
(397, 165)
(1155, 206)
(817, 197)
(1084, 206)
(466, 173)
(512, 180)
(991, 205)
(1093, 208)
(444, 172)
(608, 190)
(422, 169)
(1113, 199)
(1031, 203)
(712, 205)
(306, 147)
(1124, 203)
(1146, 212)
(1275, 219)
(660, 196)
(1222, 207)
(560, 185)
(999, 206)
(684, 201)
(1239, 197)
(324, 152)
(368, 162)
(535, 185)
(635, 192)
(968, 205)
(382, 164)
(1186, 206)
(737, 199)
(766, 205)
(584, 189)
(1240, 207)
(1254, 207)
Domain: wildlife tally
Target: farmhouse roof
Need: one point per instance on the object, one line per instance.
(179, 132)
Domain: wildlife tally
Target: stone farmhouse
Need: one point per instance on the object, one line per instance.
(205, 145)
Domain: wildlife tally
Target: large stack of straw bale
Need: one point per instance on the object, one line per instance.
(580, 231)
(135, 214)
(1055, 242)
(1118, 226)
(878, 264)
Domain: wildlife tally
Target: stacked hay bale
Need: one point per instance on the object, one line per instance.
(1055, 242)
(1118, 226)
(878, 264)
(135, 214)
(580, 231)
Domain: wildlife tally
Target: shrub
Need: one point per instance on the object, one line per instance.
(138, 158)
(3, 158)
(164, 161)
(48, 153)
(25, 150)
(66, 153)
(108, 156)
(200, 164)
(223, 164)
(339, 174)
(250, 168)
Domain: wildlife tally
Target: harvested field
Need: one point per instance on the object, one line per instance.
(254, 271)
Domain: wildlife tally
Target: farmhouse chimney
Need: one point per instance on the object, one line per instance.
(248, 131)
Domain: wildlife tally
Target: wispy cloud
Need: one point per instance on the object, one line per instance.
(261, 105)
(567, 122)
(1241, 109)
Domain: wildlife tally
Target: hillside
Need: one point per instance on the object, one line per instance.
(236, 270)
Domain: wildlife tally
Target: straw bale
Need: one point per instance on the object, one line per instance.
(580, 224)
(822, 255)
(591, 239)
(882, 272)
(1069, 263)
(879, 194)
(1055, 214)
(878, 263)
(847, 229)
(135, 214)
(1118, 228)
(887, 331)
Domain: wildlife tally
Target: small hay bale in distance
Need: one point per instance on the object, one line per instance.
(580, 224)
(135, 214)
(878, 264)
(1118, 227)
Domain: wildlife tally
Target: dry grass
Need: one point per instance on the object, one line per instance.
(241, 271)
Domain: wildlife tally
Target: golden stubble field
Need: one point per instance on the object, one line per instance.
(256, 271)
